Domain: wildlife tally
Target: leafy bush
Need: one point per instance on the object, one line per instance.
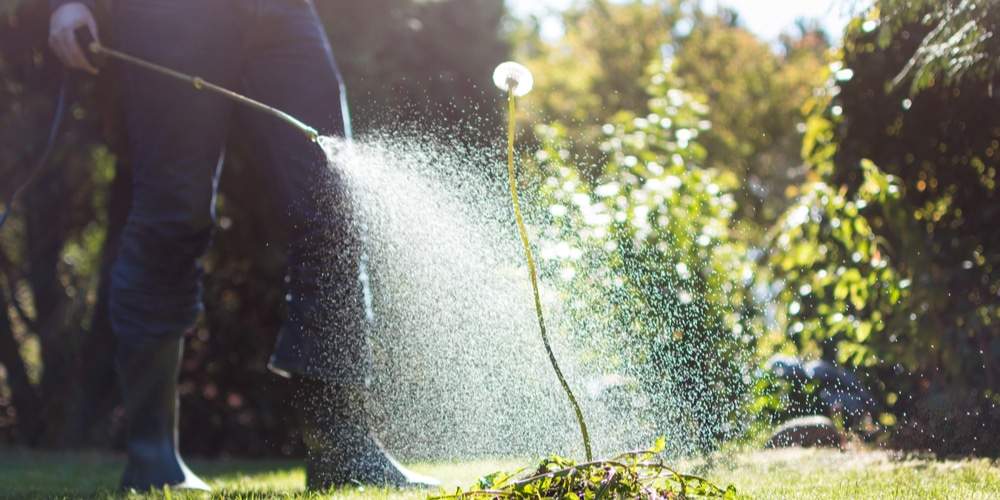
(655, 280)
(889, 256)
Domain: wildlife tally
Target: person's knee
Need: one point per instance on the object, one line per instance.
(156, 281)
(142, 319)
(164, 246)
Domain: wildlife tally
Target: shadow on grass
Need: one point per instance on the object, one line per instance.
(31, 474)
(44, 475)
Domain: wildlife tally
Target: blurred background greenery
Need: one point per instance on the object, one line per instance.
(830, 196)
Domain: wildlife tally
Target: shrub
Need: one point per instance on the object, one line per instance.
(654, 277)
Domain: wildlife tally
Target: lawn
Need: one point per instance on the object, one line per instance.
(779, 474)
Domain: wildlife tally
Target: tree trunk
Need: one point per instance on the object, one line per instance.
(96, 361)
(23, 395)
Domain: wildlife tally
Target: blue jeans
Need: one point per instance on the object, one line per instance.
(274, 51)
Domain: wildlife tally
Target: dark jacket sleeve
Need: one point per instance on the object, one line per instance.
(55, 4)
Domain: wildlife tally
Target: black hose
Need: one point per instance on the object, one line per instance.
(46, 150)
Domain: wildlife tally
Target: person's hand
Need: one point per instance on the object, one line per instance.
(64, 20)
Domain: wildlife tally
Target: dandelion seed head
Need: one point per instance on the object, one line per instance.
(513, 77)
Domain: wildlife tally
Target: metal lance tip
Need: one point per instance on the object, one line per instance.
(311, 133)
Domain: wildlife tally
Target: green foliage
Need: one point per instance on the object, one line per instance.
(958, 39)
(644, 192)
(635, 475)
(889, 258)
(597, 68)
(838, 280)
(754, 97)
(651, 239)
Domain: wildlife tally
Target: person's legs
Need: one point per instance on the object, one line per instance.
(290, 66)
(324, 340)
(176, 137)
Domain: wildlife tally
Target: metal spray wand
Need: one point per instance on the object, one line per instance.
(87, 41)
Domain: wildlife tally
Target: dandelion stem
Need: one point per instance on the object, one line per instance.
(534, 280)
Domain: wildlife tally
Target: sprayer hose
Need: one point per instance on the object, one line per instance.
(46, 150)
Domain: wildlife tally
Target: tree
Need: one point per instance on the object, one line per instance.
(754, 97)
(597, 68)
(57, 240)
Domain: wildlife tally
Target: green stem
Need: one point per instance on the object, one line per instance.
(534, 282)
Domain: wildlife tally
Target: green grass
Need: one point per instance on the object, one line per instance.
(780, 474)
(829, 474)
(50, 475)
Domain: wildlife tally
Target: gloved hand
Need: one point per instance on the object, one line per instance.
(66, 18)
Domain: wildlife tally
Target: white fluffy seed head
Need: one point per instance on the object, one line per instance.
(513, 77)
